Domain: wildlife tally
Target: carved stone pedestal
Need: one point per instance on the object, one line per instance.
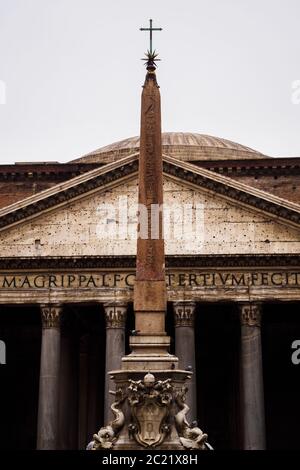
(142, 357)
(150, 413)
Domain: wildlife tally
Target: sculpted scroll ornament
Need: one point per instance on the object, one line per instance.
(51, 316)
(115, 316)
(250, 314)
(108, 435)
(184, 313)
(191, 437)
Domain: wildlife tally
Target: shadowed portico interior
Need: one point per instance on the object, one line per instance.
(217, 334)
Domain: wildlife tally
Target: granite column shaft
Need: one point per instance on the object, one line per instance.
(115, 316)
(47, 429)
(252, 402)
(185, 348)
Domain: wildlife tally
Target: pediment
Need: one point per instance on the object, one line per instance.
(224, 216)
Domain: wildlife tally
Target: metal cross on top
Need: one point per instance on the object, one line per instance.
(150, 29)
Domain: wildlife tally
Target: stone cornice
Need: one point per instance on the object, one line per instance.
(71, 189)
(172, 262)
(254, 167)
(61, 171)
(50, 171)
(114, 173)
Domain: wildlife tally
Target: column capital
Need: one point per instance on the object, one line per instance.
(51, 314)
(184, 313)
(250, 314)
(115, 315)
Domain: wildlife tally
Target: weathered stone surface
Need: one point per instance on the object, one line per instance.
(224, 227)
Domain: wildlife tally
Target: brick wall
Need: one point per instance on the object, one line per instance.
(285, 186)
(12, 191)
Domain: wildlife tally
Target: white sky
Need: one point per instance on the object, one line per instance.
(73, 74)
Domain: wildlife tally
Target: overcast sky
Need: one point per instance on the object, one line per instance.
(71, 74)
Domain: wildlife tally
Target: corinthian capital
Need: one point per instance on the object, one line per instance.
(115, 315)
(184, 313)
(250, 314)
(51, 315)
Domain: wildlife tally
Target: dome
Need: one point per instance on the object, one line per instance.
(184, 146)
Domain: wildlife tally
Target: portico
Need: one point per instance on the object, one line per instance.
(82, 321)
(209, 352)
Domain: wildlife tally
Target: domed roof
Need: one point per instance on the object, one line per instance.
(184, 146)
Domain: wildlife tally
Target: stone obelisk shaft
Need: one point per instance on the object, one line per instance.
(150, 346)
(150, 286)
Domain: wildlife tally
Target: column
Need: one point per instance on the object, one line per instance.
(115, 316)
(68, 388)
(83, 436)
(95, 395)
(185, 348)
(47, 429)
(252, 400)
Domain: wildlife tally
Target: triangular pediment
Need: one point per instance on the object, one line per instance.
(208, 214)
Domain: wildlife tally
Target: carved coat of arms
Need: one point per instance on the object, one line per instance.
(150, 404)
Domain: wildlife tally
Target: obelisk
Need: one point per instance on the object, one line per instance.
(150, 392)
(150, 344)
(150, 285)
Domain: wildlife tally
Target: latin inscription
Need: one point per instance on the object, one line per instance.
(126, 280)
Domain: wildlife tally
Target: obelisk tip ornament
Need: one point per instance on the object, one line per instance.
(150, 29)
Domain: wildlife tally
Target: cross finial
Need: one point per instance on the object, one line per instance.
(151, 29)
